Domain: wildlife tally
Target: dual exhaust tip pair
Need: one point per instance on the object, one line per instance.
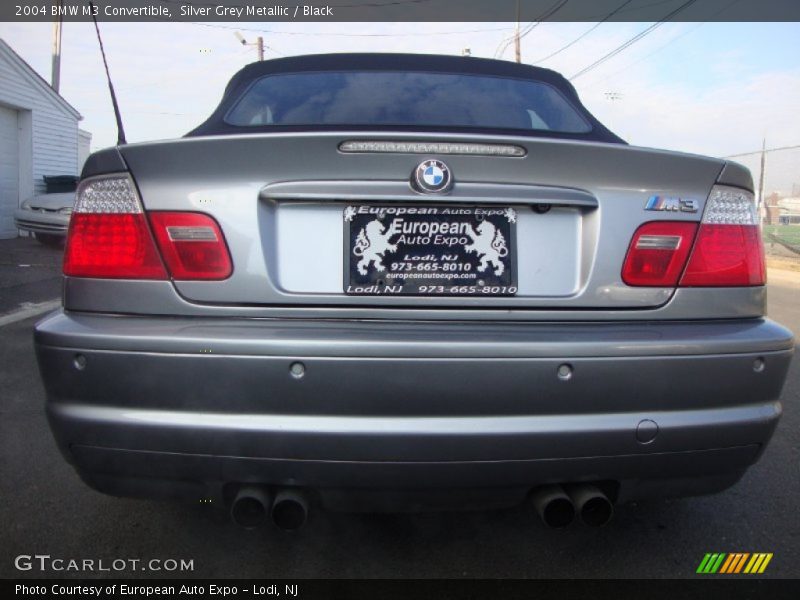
(252, 505)
(558, 505)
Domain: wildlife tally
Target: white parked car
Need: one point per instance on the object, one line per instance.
(47, 215)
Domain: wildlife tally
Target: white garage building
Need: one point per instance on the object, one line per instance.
(39, 136)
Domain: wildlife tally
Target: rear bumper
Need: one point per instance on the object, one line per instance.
(41, 222)
(168, 406)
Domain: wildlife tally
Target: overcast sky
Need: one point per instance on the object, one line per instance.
(709, 88)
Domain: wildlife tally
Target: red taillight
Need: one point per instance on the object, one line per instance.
(658, 253)
(114, 246)
(727, 249)
(192, 245)
(726, 255)
(109, 237)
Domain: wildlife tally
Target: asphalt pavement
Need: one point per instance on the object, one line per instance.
(46, 509)
(30, 274)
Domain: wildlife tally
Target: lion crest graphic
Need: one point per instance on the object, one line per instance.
(372, 241)
(490, 245)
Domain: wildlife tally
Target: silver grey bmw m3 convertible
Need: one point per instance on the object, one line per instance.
(406, 282)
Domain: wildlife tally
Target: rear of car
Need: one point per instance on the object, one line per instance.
(385, 282)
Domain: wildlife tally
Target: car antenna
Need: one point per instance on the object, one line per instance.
(120, 130)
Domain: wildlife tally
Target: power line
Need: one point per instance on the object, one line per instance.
(340, 34)
(643, 6)
(645, 57)
(760, 151)
(506, 41)
(632, 41)
(584, 34)
(358, 5)
(186, 74)
(660, 48)
(543, 17)
(618, 49)
(162, 113)
(379, 4)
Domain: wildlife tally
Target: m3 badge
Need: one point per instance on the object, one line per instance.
(672, 204)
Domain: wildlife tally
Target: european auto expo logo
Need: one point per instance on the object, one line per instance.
(720, 563)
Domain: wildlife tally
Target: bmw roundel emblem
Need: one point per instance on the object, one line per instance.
(432, 176)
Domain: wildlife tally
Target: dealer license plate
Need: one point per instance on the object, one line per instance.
(430, 250)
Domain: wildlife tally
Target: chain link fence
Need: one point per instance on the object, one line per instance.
(783, 240)
(780, 205)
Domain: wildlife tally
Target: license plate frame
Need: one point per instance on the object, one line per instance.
(430, 250)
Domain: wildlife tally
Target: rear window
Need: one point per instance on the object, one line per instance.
(401, 98)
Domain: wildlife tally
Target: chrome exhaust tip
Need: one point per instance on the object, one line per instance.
(593, 506)
(249, 507)
(289, 510)
(553, 505)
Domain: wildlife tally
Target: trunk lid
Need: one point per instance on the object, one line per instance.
(280, 200)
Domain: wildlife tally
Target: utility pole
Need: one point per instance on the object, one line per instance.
(761, 175)
(259, 43)
(55, 76)
(517, 50)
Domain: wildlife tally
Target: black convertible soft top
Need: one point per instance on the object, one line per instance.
(432, 63)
